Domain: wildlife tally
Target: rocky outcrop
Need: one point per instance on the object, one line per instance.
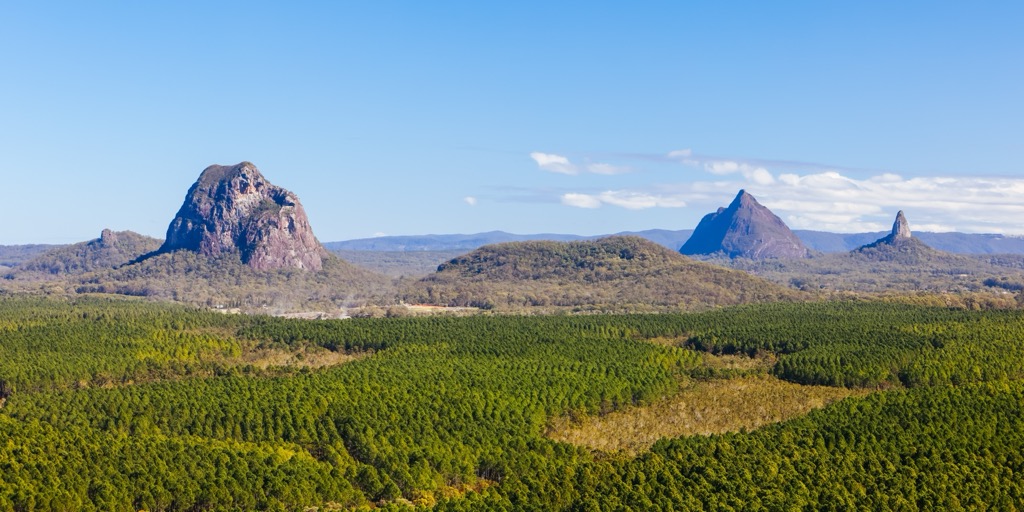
(744, 229)
(901, 248)
(234, 209)
(900, 228)
(900, 233)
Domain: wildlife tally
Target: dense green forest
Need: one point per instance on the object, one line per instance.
(127, 405)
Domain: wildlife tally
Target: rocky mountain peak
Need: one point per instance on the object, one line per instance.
(899, 239)
(235, 209)
(900, 228)
(744, 229)
(108, 238)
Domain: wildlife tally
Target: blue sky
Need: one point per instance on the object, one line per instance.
(569, 117)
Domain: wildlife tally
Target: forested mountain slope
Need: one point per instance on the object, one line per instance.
(112, 249)
(617, 272)
(225, 282)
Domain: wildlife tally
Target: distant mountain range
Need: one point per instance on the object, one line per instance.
(239, 241)
(820, 241)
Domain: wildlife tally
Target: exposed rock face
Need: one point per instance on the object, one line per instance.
(744, 229)
(900, 234)
(108, 238)
(902, 248)
(235, 209)
(900, 228)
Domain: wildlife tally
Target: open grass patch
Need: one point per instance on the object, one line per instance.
(699, 408)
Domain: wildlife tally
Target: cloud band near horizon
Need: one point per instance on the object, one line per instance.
(830, 200)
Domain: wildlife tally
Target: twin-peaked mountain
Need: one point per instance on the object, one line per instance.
(744, 229)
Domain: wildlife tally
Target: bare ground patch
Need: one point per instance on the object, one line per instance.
(307, 357)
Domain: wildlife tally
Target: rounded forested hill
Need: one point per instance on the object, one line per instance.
(617, 272)
(224, 281)
(112, 249)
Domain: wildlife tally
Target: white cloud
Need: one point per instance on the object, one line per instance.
(562, 165)
(470, 200)
(631, 200)
(753, 173)
(832, 201)
(816, 196)
(581, 200)
(554, 163)
(640, 200)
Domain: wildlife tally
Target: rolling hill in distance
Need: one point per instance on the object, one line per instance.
(821, 241)
(238, 241)
(611, 273)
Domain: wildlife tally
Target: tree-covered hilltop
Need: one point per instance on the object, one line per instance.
(411, 264)
(111, 250)
(615, 272)
(225, 282)
(119, 405)
(908, 267)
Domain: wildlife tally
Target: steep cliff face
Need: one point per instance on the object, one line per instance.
(235, 209)
(900, 228)
(744, 229)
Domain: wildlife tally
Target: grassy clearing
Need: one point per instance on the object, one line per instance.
(311, 357)
(700, 407)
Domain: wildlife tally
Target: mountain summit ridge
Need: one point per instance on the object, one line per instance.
(235, 209)
(745, 229)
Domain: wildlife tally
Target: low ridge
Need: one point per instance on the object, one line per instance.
(112, 249)
(745, 229)
(235, 209)
(618, 272)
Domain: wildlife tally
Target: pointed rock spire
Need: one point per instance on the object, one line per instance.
(899, 237)
(900, 228)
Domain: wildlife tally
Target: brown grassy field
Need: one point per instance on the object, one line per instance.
(699, 408)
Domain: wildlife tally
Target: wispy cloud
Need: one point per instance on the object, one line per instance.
(831, 201)
(818, 196)
(470, 200)
(580, 200)
(562, 165)
(753, 172)
(629, 199)
(554, 163)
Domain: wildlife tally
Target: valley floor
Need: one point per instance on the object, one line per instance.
(130, 405)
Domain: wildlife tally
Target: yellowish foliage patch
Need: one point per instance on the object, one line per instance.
(700, 407)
